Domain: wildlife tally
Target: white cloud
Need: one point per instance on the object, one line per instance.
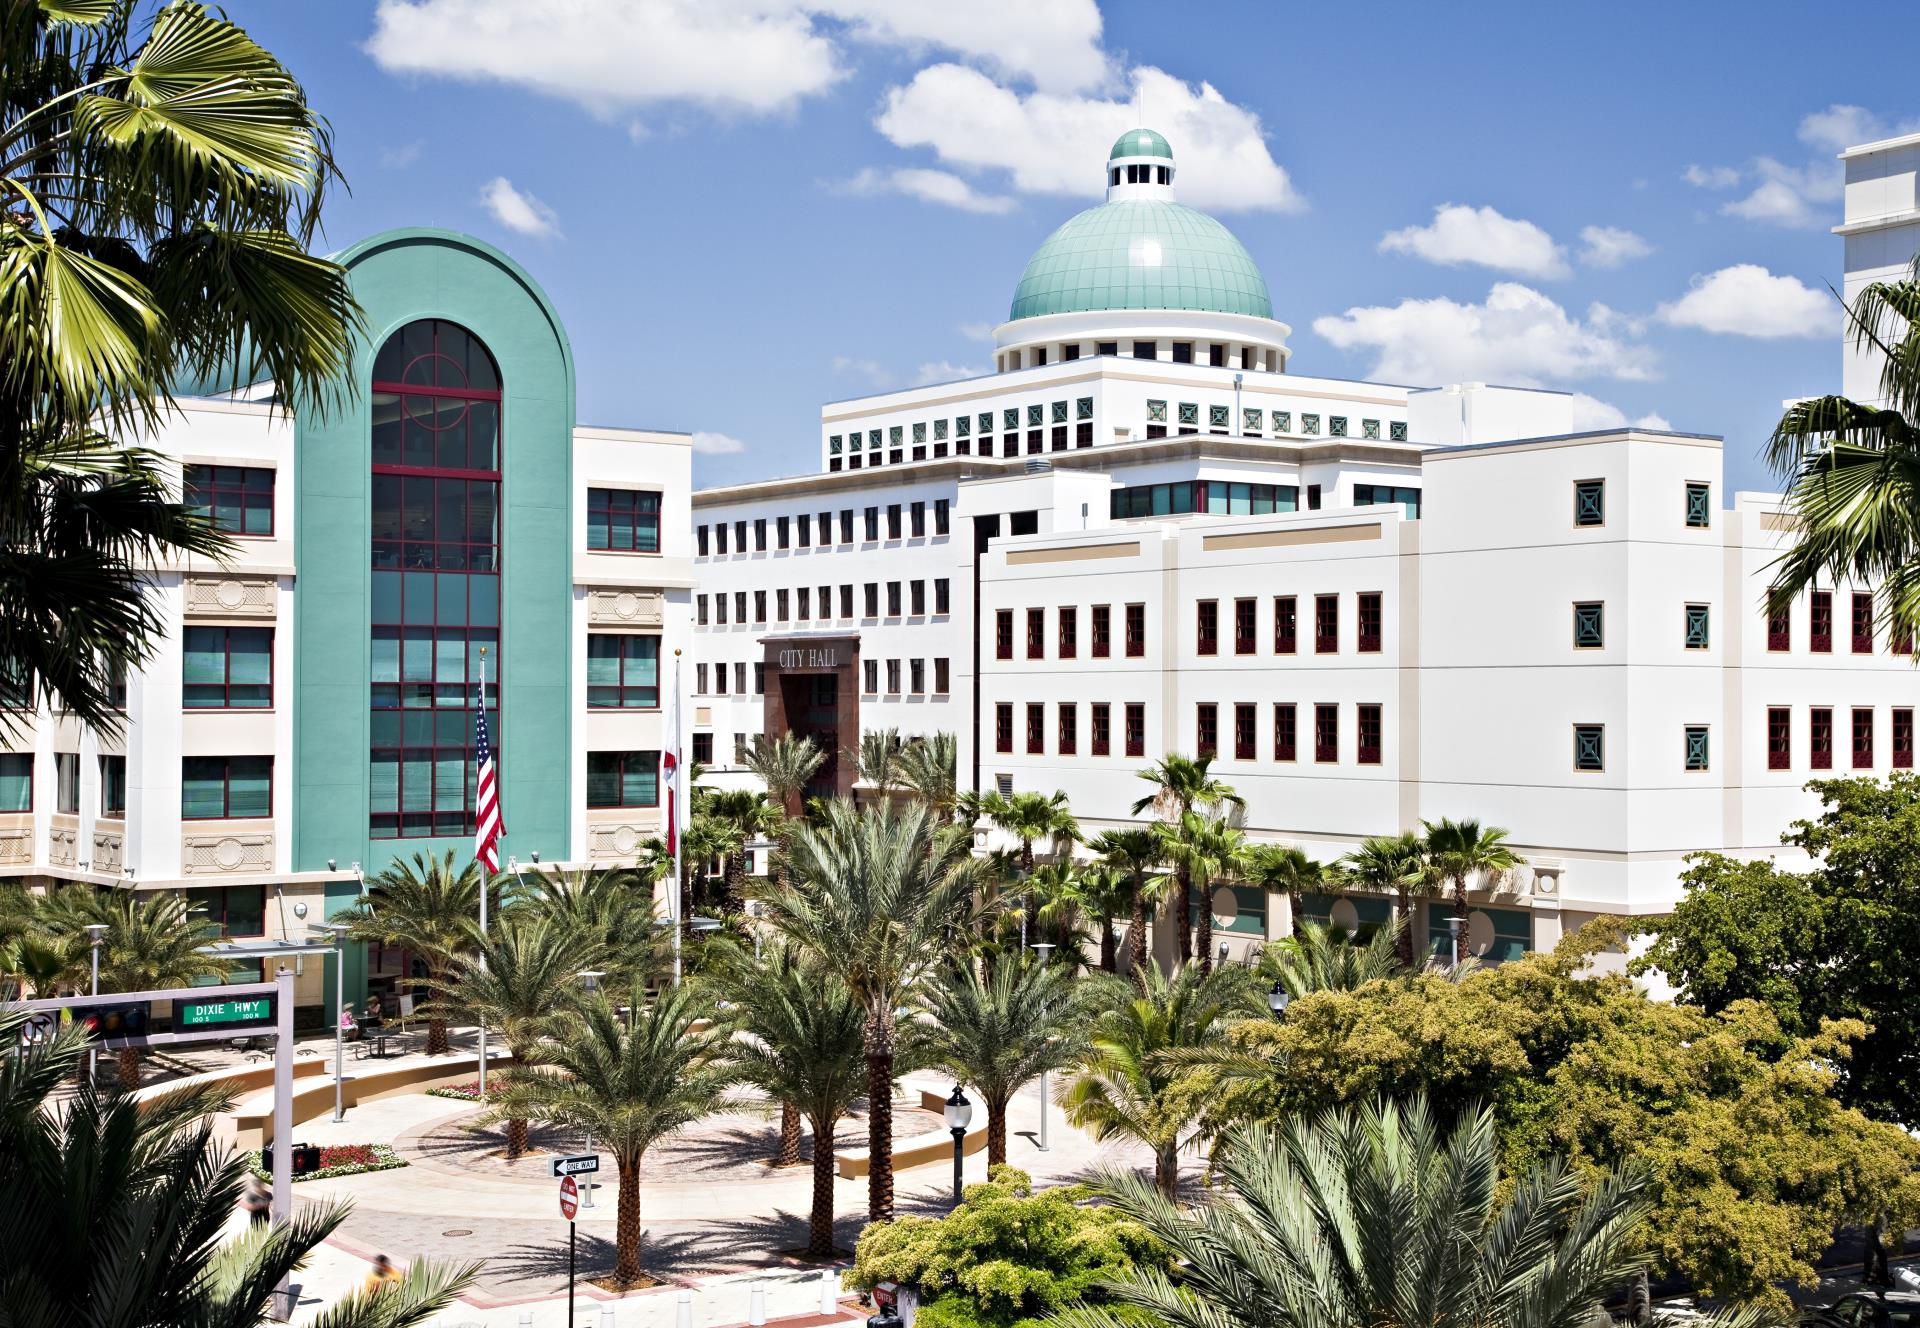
(930, 186)
(1746, 300)
(1055, 45)
(873, 371)
(946, 371)
(1783, 194)
(517, 210)
(976, 331)
(1590, 413)
(1517, 336)
(1482, 236)
(1609, 246)
(400, 156)
(1050, 143)
(717, 444)
(1711, 177)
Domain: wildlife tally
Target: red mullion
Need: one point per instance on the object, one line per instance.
(417, 390)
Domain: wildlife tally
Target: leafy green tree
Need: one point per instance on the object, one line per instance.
(878, 896)
(1181, 785)
(608, 916)
(877, 760)
(1458, 850)
(631, 1077)
(1134, 853)
(928, 768)
(1000, 1032)
(785, 763)
(1395, 865)
(706, 838)
(1282, 869)
(747, 816)
(115, 1212)
(1108, 894)
(1202, 849)
(1059, 904)
(165, 174)
(1032, 817)
(432, 908)
(1006, 1257)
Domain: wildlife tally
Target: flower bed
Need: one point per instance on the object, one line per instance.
(339, 1160)
(467, 1092)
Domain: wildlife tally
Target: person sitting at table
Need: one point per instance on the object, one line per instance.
(375, 1018)
(349, 1029)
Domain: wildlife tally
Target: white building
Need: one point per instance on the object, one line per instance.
(1881, 232)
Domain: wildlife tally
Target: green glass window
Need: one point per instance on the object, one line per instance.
(1190, 412)
(237, 910)
(1036, 414)
(1589, 625)
(1010, 418)
(962, 425)
(1369, 428)
(1590, 503)
(227, 668)
(1589, 747)
(833, 445)
(16, 687)
(939, 430)
(1282, 421)
(1698, 633)
(1408, 498)
(1397, 431)
(216, 787)
(1336, 426)
(986, 422)
(873, 439)
(623, 672)
(16, 782)
(1218, 417)
(1251, 420)
(1699, 509)
(627, 520)
(1157, 412)
(236, 499)
(1696, 746)
(1309, 423)
(1059, 410)
(894, 435)
(623, 779)
(1083, 408)
(920, 431)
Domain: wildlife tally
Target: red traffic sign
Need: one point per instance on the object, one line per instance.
(569, 1197)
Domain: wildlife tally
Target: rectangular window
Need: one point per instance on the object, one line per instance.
(1820, 737)
(1136, 630)
(1244, 725)
(1698, 744)
(1036, 633)
(703, 749)
(1036, 728)
(720, 538)
(1863, 622)
(700, 679)
(1902, 738)
(740, 678)
(1209, 626)
(623, 779)
(940, 679)
(217, 787)
(917, 520)
(1286, 625)
(1102, 628)
(1003, 634)
(227, 668)
(917, 598)
(1590, 502)
(1779, 738)
(66, 783)
(623, 671)
(1206, 733)
(870, 594)
(237, 500)
(1243, 627)
(1286, 732)
(740, 607)
(1590, 747)
(1136, 718)
(1368, 736)
(1101, 737)
(893, 521)
(1370, 622)
(872, 521)
(870, 676)
(1069, 728)
(760, 534)
(804, 533)
(1699, 634)
(940, 516)
(893, 677)
(700, 609)
(1326, 733)
(1699, 506)
(1003, 727)
(1589, 625)
(1365, 495)
(1863, 737)
(893, 599)
(1820, 622)
(803, 603)
(1069, 632)
(942, 596)
(237, 910)
(846, 601)
(1326, 624)
(16, 782)
(1779, 631)
(780, 529)
(846, 525)
(625, 520)
(780, 605)
(759, 606)
(113, 786)
(917, 676)
(1337, 426)
(759, 678)
(701, 538)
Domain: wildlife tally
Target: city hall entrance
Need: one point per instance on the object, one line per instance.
(813, 690)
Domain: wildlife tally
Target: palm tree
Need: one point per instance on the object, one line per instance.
(523, 974)
(1131, 1084)
(999, 1033)
(1202, 850)
(153, 940)
(630, 1078)
(1108, 893)
(608, 916)
(430, 907)
(1056, 900)
(877, 896)
(1134, 852)
(1283, 869)
(785, 763)
(877, 760)
(1391, 864)
(804, 1049)
(706, 838)
(1853, 470)
(1322, 958)
(1180, 785)
(1378, 1217)
(748, 816)
(928, 769)
(1459, 849)
(115, 1210)
(1033, 816)
(165, 177)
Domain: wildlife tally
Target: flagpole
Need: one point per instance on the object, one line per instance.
(484, 887)
(675, 894)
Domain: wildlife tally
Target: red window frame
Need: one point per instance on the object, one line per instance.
(1100, 624)
(1326, 624)
(619, 765)
(1068, 729)
(1003, 726)
(1863, 737)
(1286, 625)
(1286, 731)
(1779, 738)
(1036, 728)
(1003, 634)
(1207, 627)
(1326, 733)
(1820, 622)
(1036, 633)
(1369, 614)
(1779, 632)
(204, 486)
(1206, 729)
(1068, 629)
(1901, 748)
(221, 693)
(1244, 626)
(1862, 622)
(1136, 735)
(1100, 735)
(226, 786)
(1820, 737)
(1136, 631)
(628, 504)
(1367, 734)
(1245, 721)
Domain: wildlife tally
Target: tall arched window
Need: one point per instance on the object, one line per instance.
(436, 575)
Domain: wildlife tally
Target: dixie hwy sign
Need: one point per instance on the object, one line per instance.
(225, 1012)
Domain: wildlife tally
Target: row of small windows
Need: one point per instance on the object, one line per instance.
(904, 677)
(1590, 503)
(1253, 420)
(903, 599)
(807, 531)
(1283, 731)
(1039, 438)
(1140, 174)
(16, 783)
(1037, 413)
(1820, 737)
(1237, 498)
(1067, 728)
(1067, 643)
(1820, 616)
(1219, 355)
(1284, 622)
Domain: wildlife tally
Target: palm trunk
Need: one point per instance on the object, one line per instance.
(1109, 954)
(880, 1116)
(516, 1139)
(1183, 912)
(1405, 905)
(736, 880)
(626, 1239)
(436, 1037)
(1293, 911)
(789, 1152)
(1166, 1170)
(1205, 943)
(996, 1132)
(129, 1065)
(1137, 926)
(820, 1224)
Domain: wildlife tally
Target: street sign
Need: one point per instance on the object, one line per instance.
(577, 1165)
(222, 1012)
(569, 1197)
(38, 1028)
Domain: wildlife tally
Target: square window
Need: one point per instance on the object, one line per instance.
(1010, 418)
(963, 426)
(1589, 625)
(1696, 756)
(985, 422)
(1309, 423)
(1590, 503)
(1282, 421)
(1190, 413)
(1036, 414)
(1699, 508)
(1059, 412)
(1589, 746)
(1397, 431)
(1157, 412)
(939, 430)
(1698, 632)
(1370, 428)
(1337, 426)
(1083, 408)
(1218, 417)
(1250, 420)
(920, 431)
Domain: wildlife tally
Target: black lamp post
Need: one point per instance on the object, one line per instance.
(959, 1112)
(1277, 1000)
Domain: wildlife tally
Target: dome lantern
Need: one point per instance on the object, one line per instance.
(1140, 166)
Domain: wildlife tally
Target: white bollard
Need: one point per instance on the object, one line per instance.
(829, 1292)
(757, 1305)
(606, 1316)
(683, 1311)
(526, 1319)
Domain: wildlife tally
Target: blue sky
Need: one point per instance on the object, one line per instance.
(745, 209)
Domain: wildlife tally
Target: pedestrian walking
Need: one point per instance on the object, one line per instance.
(383, 1273)
(257, 1203)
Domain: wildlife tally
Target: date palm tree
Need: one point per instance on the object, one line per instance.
(1133, 853)
(748, 816)
(165, 175)
(1322, 958)
(785, 763)
(1378, 1216)
(706, 838)
(1182, 784)
(928, 769)
(1108, 895)
(1133, 1083)
(805, 1049)
(631, 1077)
(1202, 849)
(608, 916)
(877, 896)
(877, 760)
(1000, 1032)
(1461, 849)
(1395, 865)
(430, 907)
(1282, 869)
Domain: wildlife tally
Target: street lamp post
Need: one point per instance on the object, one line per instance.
(95, 931)
(591, 977)
(958, 1113)
(1043, 948)
(1453, 937)
(1277, 1000)
(339, 930)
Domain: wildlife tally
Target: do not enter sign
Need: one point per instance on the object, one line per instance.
(569, 1197)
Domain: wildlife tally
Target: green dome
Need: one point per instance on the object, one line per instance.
(1141, 254)
(1139, 143)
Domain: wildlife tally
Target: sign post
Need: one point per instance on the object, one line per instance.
(569, 1207)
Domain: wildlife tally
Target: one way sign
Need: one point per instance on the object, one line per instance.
(577, 1165)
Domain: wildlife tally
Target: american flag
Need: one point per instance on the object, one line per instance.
(489, 826)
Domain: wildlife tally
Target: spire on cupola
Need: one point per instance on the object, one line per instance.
(1140, 167)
